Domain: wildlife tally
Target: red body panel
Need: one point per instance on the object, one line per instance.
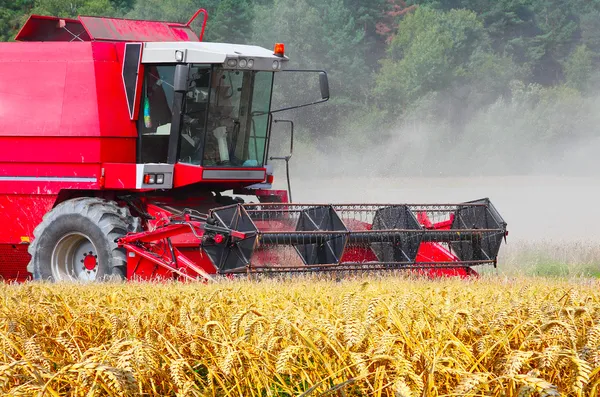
(113, 29)
(119, 176)
(188, 174)
(73, 150)
(13, 262)
(46, 28)
(19, 215)
(60, 120)
(62, 90)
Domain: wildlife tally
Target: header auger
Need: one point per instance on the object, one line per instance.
(119, 139)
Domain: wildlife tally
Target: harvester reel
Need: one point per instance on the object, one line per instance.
(233, 253)
(330, 249)
(404, 247)
(286, 237)
(487, 246)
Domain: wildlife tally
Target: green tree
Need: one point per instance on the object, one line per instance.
(228, 20)
(579, 68)
(12, 16)
(589, 25)
(323, 35)
(538, 34)
(557, 21)
(123, 6)
(367, 15)
(431, 51)
(73, 8)
(232, 22)
(172, 11)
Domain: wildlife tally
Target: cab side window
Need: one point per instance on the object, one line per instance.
(155, 114)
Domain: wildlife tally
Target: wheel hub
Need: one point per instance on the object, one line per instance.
(74, 258)
(89, 261)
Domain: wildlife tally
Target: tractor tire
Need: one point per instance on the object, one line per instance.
(76, 241)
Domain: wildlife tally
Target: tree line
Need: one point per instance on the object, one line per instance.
(480, 79)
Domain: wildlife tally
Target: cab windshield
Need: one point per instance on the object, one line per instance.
(224, 116)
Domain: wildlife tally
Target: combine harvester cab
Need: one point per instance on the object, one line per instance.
(119, 139)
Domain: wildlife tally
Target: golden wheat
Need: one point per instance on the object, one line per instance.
(382, 336)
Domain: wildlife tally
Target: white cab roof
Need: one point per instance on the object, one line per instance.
(203, 52)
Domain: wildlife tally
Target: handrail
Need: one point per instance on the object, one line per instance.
(200, 11)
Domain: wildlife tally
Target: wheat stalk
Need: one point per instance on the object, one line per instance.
(388, 336)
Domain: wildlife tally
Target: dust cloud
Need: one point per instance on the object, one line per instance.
(535, 208)
(547, 189)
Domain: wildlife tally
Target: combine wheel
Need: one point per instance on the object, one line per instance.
(76, 241)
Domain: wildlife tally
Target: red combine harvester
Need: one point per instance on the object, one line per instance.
(119, 139)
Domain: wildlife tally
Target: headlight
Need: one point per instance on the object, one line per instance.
(250, 63)
(231, 62)
(275, 64)
(243, 63)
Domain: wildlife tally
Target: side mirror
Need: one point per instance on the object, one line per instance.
(324, 83)
(180, 83)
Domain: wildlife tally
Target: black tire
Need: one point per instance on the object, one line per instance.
(76, 241)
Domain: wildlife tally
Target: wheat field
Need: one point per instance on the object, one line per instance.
(385, 336)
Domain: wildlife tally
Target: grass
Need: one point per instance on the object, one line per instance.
(548, 258)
